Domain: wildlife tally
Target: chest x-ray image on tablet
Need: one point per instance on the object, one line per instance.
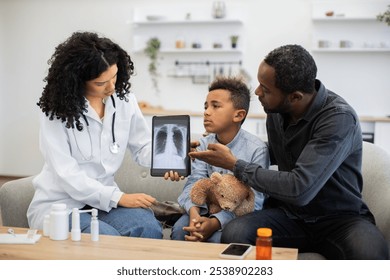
(170, 145)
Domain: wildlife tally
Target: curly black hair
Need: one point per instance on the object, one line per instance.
(239, 91)
(82, 57)
(295, 68)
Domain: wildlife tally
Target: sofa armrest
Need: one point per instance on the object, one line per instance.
(15, 198)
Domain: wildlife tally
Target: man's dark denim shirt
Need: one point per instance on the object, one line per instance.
(319, 160)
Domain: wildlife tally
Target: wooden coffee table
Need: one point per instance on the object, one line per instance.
(122, 248)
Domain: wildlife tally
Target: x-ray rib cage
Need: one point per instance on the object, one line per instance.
(170, 146)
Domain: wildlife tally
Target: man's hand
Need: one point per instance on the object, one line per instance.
(194, 145)
(216, 155)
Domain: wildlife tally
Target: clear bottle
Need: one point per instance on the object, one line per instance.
(94, 225)
(59, 222)
(264, 244)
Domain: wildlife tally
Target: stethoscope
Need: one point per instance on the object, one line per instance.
(114, 146)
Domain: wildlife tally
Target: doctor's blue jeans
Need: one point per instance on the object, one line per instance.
(134, 222)
(349, 237)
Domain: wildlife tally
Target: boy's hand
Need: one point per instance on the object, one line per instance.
(203, 228)
(193, 229)
(193, 226)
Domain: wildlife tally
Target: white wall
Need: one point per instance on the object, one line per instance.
(2, 99)
(30, 30)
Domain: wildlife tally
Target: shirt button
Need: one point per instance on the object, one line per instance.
(144, 174)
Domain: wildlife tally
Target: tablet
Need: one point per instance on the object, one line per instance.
(170, 145)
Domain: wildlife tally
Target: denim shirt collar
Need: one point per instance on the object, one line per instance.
(234, 141)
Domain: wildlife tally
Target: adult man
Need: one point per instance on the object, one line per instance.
(315, 139)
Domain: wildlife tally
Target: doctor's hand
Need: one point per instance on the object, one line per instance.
(136, 200)
(174, 176)
(216, 155)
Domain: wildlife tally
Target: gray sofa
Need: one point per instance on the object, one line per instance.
(16, 195)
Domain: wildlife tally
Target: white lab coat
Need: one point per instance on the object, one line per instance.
(67, 177)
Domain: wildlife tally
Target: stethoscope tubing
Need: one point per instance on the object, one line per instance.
(114, 146)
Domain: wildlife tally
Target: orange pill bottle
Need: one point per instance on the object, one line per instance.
(264, 244)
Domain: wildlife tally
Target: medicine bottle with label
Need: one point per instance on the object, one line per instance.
(59, 222)
(264, 244)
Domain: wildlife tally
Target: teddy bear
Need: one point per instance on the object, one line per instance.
(223, 192)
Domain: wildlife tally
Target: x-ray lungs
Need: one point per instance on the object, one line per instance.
(170, 145)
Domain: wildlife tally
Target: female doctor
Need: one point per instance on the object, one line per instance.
(89, 119)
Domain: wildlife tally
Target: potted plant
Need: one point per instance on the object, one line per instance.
(233, 40)
(385, 17)
(152, 52)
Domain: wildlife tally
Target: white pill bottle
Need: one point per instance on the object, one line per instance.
(59, 222)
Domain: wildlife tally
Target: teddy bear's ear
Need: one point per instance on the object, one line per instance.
(216, 177)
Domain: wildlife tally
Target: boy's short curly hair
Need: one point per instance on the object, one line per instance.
(80, 58)
(239, 91)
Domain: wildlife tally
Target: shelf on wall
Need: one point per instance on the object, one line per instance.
(191, 31)
(190, 22)
(189, 51)
(351, 50)
(335, 18)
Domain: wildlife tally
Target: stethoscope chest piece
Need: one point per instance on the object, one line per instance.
(114, 147)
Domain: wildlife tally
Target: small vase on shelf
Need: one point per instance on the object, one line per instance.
(219, 10)
(234, 40)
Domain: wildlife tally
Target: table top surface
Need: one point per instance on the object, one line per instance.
(122, 248)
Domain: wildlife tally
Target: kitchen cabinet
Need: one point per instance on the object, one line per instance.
(380, 129)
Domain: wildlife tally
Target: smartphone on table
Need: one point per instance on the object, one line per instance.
(170, 145)
(236, 251)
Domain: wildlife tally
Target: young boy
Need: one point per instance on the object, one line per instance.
(226, 108)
